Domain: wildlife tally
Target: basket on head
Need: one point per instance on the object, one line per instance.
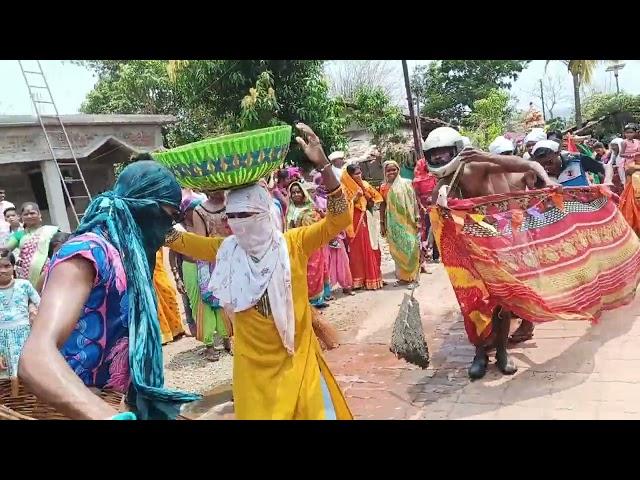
(407, 340)
(229, 161)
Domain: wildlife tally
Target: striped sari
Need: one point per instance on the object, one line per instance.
(565, 254)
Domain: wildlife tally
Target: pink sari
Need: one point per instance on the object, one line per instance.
(339, 270)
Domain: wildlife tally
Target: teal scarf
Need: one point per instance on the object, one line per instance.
(130, 217)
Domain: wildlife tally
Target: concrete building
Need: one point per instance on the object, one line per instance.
(28, 171)
(361, 141)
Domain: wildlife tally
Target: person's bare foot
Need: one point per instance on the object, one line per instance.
(348, 291)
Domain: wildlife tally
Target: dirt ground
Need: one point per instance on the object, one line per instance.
(186, 368)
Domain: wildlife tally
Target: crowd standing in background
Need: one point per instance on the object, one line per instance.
(331, 226)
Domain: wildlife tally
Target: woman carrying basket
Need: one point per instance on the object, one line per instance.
(260, 278)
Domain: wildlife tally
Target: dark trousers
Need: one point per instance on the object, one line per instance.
(435, 255)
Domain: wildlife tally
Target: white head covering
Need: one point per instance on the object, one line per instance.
(550, 144)
(275, 211)
(336, 155)
(466, 141)
(535, 135)
(501, 145)
(253, 260)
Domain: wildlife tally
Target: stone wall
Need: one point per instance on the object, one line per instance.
(27, 143)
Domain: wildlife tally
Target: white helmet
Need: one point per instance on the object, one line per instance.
(466, 141)
(443, 137)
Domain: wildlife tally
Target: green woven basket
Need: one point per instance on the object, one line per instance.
(230, 161)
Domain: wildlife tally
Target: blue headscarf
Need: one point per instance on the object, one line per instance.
(130, 217)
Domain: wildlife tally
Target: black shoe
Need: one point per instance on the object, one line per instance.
(478, 367)
(505, 363)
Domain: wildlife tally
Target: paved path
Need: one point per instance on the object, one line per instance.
(568, 371)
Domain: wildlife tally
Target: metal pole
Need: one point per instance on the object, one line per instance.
(417, 140)
(544, 115)
(418, 116)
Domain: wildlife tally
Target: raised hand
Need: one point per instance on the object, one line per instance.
(311, 146)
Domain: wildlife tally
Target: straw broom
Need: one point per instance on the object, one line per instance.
(407, 340)
(326, 333)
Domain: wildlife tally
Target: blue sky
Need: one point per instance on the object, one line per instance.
(70, 84)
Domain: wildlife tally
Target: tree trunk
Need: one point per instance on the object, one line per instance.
(576, 97)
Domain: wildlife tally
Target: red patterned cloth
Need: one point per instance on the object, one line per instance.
(572, 255)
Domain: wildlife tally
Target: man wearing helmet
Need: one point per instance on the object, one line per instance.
(533, 137)
(482, 174)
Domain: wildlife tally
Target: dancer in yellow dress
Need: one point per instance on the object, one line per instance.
(261, 278)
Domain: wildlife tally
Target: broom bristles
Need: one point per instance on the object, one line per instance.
(326, 333)
(407, 340)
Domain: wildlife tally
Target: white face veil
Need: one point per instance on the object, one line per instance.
(255, 260)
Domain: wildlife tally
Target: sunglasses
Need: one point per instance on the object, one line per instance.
(240, 215)
(176, 216)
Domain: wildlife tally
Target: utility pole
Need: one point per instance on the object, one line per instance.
(615, 69)
(418, 116)
(544, 115)
(417, 139)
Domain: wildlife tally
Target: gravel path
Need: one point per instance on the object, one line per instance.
(185, 367)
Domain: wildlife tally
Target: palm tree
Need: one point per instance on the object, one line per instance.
(582, 73)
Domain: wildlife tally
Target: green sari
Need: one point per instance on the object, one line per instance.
(34, 250)
(402, 229)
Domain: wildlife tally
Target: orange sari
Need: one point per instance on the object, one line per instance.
(629, 202)
(168, 311)
(364, 261)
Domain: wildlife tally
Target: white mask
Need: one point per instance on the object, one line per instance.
(255, 260)
(254, 234)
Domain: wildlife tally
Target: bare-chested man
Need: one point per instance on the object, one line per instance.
(483, 174)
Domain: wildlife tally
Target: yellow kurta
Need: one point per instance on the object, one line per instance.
(168, 310)
(267, 382)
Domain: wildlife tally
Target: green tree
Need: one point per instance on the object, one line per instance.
(448, 89)
(488, 118)
(259, 108)
(582, 73)
(557, 123)
(620, 109)
(207, 96)
(372, 109)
